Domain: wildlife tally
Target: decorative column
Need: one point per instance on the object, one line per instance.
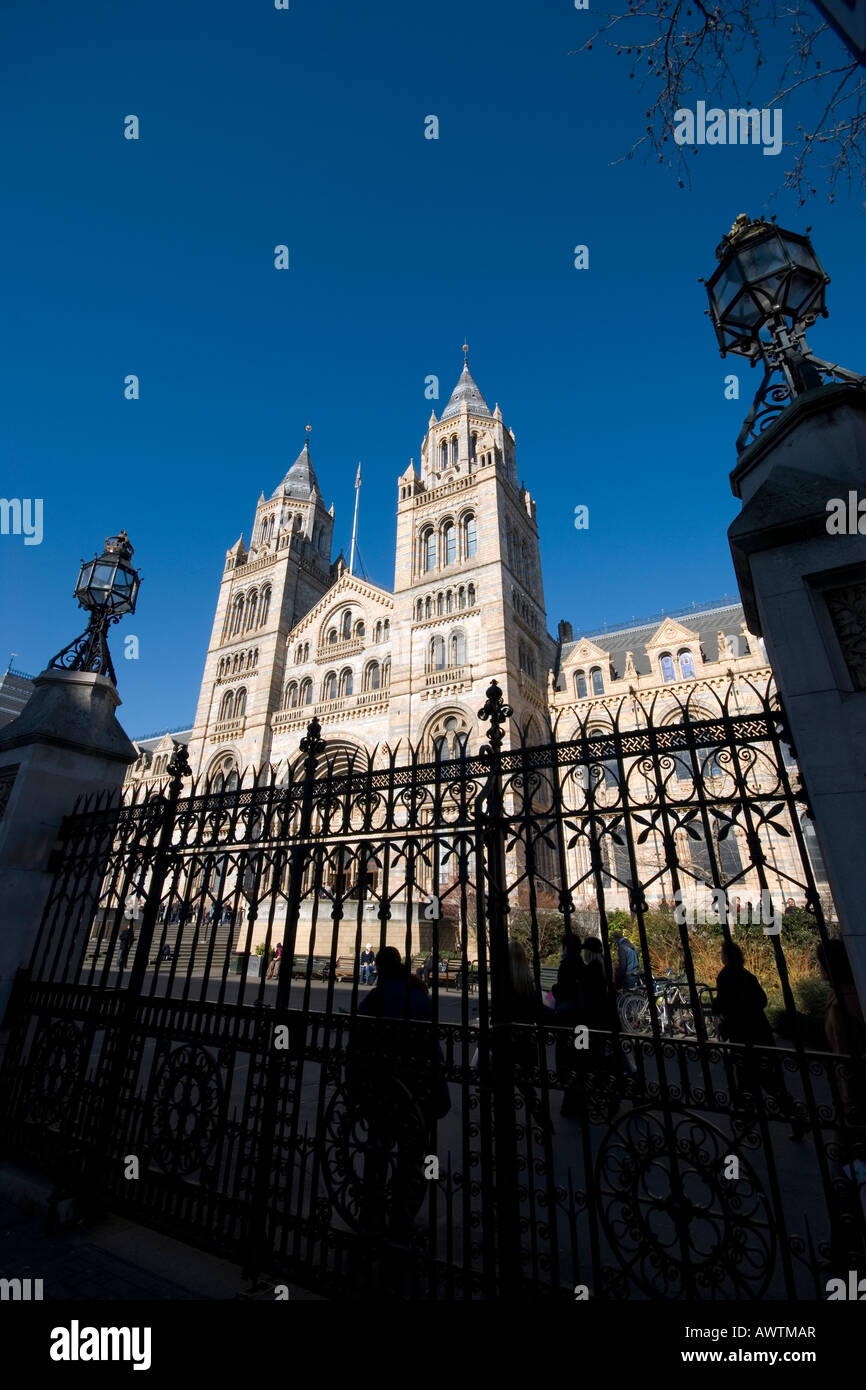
(802, 576)
(65, 743)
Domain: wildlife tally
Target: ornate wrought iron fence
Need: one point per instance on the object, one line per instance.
(454, 1141)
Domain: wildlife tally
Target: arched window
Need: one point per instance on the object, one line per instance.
(443, 454)
(428, 548)
(377, 633)
(470, 595)
(449, 543)
(428, 607)
(386, 671)
(299, 654)
(373, 676)
(347, 625)
(597, 681)
(580, 685)
(264, 607)
(450, 740)
(470, 537)
(227, 705)
(332, 636)
(298, 521)
(224, 777)
(473, 446)
(250, 613)
(683, 766)
(666, 662)
(306, 693)
(360, 631)
(461, 597)
(238, 616)
(449, 601)
(329, 686)
(437, 653)
(458, 649)
(293, 695)
(386, 632)
(419, 610)
(440, 603)
(347, 683)
(687, 664)
(240, 704)
(454, 451)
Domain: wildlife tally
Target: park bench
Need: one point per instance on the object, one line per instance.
(321, 967)
(346, 968)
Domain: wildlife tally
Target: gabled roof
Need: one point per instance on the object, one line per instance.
(348, 585)
(706, 623)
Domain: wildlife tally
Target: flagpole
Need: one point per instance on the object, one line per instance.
(355, 522)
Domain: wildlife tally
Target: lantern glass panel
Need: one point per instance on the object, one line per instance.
(125, 585)
(743, 313)
(101, 581)
(804, 256)
(726, 288)
(801, 295)
(766, 259)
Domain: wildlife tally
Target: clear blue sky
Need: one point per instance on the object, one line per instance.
(306, 127)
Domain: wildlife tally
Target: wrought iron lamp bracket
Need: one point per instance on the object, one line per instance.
(89, 651)
(790, 369)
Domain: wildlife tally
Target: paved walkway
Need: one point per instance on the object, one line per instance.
(114, 1261)
(70, 1266)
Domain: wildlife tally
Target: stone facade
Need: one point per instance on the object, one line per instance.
(296, 635)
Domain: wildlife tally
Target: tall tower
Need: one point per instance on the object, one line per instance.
(264, 592)
(468, 592)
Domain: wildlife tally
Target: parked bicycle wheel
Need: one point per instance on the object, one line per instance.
(632, 1009)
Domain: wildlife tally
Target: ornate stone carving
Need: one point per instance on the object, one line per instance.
(847, 608)
(7, 777)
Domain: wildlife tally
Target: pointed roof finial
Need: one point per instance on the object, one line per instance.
(466, 354)
(308, 429)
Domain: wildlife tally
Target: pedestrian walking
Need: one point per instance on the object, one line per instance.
(740, 1003)
(627, 973)
(125, 942)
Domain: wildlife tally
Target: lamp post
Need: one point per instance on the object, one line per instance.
(107, 586)
(768, 289)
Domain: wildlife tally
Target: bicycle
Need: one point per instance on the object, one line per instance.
(675, 1011)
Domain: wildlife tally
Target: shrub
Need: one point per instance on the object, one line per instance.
(550, 931)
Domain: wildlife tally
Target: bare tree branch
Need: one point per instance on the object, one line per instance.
(679, 49)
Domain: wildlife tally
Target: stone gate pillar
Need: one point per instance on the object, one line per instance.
(66, 742)
(803, 585)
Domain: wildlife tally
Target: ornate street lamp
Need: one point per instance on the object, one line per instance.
(107, 587)
(768, 289)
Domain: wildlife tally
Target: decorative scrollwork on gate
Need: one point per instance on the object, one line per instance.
(186, 1105)
(671, 1215)
(54, 1069)
(375, 1141)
